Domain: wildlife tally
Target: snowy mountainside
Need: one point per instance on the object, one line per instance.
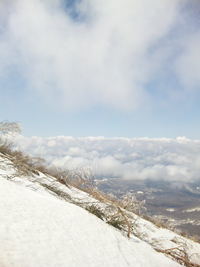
(43, 228)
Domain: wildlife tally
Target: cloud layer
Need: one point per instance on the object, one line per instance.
(140, 158)
(95, 52)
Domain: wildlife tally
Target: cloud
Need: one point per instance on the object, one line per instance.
(89, 54)
(138, 158)
(188, 64)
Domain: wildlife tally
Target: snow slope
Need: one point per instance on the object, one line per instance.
(40, 230)
(42, 227)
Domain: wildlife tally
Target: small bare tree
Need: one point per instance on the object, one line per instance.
(9, 127)
(130, 203)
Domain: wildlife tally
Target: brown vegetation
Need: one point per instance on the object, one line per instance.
(180, 255)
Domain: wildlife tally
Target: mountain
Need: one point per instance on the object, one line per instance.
(44, 223)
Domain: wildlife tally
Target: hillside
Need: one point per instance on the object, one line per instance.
(44, 229)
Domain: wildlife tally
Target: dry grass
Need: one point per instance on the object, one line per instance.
(57, 192)
(96, 210)
(180, 255)
(118, 218)
(116, 222)
(26, 165)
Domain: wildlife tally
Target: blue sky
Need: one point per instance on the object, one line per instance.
(114, 68)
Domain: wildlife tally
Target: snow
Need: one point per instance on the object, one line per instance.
(192, 210)
(170, 210)
(161, 238)
(40, 230)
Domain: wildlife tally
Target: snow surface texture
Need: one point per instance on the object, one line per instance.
(37, 230)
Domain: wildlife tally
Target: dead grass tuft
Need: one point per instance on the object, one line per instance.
(180, 255)
(96, 210)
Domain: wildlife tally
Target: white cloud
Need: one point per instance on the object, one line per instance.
(105, 58)
(188, 64)
(138, 158)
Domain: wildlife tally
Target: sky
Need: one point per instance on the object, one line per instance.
(110, 68)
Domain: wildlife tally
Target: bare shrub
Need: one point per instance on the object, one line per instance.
(81, 178)
(129, 202)
(119, 219)
(96, 210)
(116, 222)
(5, 147)
(180, 255)
(62, 176)
(9, 127)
